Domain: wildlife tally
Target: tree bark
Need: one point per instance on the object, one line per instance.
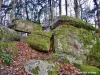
(98, 12)
(66, 8)
(76, 8)
(27, 18)
(60, 12)
(0, 3)
(51, 10)
(13, 10)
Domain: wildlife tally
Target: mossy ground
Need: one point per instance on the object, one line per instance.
(7, 51)
(88, 69)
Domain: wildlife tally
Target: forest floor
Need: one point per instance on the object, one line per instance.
(26, 53)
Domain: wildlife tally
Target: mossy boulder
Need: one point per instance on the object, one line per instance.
(88, 70)
(39, 67)
(25, 26)
(7, 34)
(40, 40)
(65, 20)
(75, 43)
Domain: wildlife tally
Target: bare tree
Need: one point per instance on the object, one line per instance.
(98, 12)
(0, 3)
(76, 8)
(66, 3)
(60, 8)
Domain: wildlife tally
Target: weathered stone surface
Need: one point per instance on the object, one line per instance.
(74, 43)
(7, 34)
(40, 40)
(39, 67)
(25, 26)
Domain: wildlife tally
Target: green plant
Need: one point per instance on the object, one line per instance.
(6, 58)
(7, 50)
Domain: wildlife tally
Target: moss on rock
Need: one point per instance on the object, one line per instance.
(26, 26)
(59, 58)
(40, 40)
(7, 34)
(89, 70)
(75, 43)
(39, 67)
(65, 20)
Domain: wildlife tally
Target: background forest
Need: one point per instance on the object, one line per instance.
(42, 11)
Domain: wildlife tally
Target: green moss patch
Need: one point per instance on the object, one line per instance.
(88, 69)
(35, 71)
(65, 20)
(78, 43)
(7, 34)
(40, 40)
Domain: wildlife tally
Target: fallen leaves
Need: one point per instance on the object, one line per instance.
(25, 53)
(68, 69)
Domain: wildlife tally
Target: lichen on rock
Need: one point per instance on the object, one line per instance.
(75, 43)
(39, 67)
(25, 26)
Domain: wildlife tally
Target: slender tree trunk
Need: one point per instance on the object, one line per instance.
(51, 10)
(0, 3)
(27, 18)
(98, 12)
(60, 12)
(66, 7)
(13, 10)
(76, 8)
(98, 16)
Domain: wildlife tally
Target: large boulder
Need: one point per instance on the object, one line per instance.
(7, 34)
(25, 26)
(40, 40)
(65, 20)
(39, 67)
(76, 44)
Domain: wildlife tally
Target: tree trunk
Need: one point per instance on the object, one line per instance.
(51, 10)
(76, 8)
(66, 7)
(60, 8)
(27, 18)
(98, 12)
(0, 3)
(98, 16)
(13, 10)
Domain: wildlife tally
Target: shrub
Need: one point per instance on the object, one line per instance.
(7, 50)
